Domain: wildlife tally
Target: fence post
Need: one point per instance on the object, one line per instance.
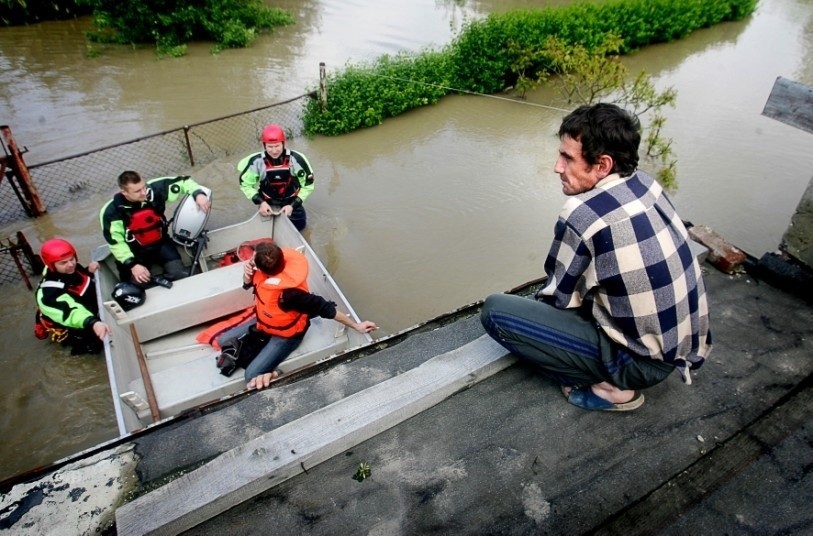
(35, 207)
(322, 86)
(188, 146)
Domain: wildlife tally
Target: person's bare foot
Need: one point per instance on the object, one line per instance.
(606, 391)
(262, 381)
(611, 393)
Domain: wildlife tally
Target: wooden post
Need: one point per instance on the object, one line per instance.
(322, 86)
(145, 375)
(35, 205)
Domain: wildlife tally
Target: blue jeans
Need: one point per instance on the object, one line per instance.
(567, 347)
(276, 350)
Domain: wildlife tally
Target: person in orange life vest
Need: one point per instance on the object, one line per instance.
(277, 179)
(284, 306)
(67, 310)
(134, 225)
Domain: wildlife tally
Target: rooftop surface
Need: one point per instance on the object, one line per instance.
(729, 453)
(502, 453)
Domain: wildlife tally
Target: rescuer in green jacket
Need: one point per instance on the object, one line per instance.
(277, 179)
(67, 310)
(134, 225)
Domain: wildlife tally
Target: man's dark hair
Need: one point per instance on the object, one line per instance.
(605, 129)
(128, 177)
(268, 258)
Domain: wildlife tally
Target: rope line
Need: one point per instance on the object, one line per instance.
(526, 103)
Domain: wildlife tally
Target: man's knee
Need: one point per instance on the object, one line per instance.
(490, 306)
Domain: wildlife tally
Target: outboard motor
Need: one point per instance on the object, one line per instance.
(188, 223)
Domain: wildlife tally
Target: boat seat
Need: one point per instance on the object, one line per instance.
(186, 379)
(190, 302)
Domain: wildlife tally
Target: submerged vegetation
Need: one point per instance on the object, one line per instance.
(579, 44)
(171, 24)
(167, 24)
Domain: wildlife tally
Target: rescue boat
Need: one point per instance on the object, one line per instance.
(157, 367)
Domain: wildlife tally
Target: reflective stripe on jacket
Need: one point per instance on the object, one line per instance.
(71, 305)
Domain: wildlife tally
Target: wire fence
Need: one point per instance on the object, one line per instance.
(80, 176)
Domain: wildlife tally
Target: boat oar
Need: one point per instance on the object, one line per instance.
(145, 375)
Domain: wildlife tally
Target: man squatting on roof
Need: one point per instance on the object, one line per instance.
(624, 303)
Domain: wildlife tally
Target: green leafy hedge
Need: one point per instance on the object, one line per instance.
(172, 23)
(363, 95)
(479, 59)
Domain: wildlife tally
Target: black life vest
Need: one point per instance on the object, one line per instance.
(84, 291)
(279, 183)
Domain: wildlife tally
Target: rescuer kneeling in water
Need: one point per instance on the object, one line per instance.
(68, 312)
(284, 305)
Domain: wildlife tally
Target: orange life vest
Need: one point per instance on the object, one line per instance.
(271, 319)
(210, 334)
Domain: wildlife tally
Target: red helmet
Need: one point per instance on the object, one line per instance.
(273, 134)
(55, 250)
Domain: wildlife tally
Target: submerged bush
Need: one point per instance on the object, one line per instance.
(170, 24)
(484, 57)
(364, 95)
(481, 55)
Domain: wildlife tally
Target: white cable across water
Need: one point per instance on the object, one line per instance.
(473, 93)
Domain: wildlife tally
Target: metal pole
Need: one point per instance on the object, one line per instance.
(188, 145)
(322, 86)
(15, 255)
(20, 169)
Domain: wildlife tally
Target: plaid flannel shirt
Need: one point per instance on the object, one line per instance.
(621, 250)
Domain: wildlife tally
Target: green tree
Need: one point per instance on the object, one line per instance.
(586, 76)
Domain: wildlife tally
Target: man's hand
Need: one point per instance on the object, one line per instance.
(101, 329)
(365, 327)
(287, 210)
(202, 200)
(265, 209)
(140, 274)
(262, 381)
(93, 266)
(248, 271)
(361, 327)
